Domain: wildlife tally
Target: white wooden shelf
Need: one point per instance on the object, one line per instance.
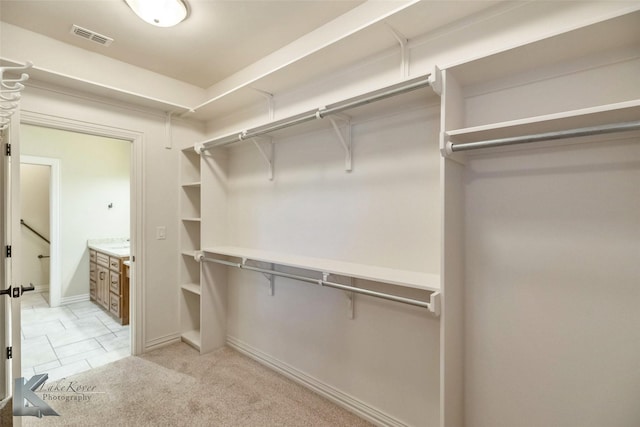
(593, 116)
(406, 278)
(189, 253)
(192, 338)
(192, 219)
(191, 185)
(191, 287)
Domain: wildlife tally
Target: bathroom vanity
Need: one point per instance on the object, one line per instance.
(108, 281)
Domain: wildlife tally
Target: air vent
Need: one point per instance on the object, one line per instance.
(91, 35)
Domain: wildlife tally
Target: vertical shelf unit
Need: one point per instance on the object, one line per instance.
(189, 272)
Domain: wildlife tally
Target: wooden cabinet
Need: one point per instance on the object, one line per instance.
(108, 284)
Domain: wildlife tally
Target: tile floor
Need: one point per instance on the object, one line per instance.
(66, 340)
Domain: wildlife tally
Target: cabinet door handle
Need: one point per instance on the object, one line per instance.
(101, 275)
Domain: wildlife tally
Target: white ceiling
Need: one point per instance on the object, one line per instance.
(219, 37)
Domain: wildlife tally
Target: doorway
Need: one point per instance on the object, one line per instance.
(64, 331)
(39, 220)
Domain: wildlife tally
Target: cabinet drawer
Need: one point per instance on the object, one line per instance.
(92, 255)
(93, 272)
(102, 259)
(114, 304)
(114, 283)
(114, 264)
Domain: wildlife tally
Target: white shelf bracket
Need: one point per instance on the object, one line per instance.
(272, 281)
(404, 50)
(270, 102)
(344, 136)
(198, 256)
(168, 130)
(264, 144)
(435, 301)
(435, 80)
(351, 301)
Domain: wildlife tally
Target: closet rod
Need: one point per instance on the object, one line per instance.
(547, 136)
(319, 113)
(323, 282)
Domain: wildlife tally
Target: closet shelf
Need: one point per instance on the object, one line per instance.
(335, 109)
(586, 117)
(191, 185)
(405, 278)
(191, 287)
(192, 338)
(190, 254)
(192, 219)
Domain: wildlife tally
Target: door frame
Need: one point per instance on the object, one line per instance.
(55, 271)
(137, 205)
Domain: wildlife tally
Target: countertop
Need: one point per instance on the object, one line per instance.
(114, 247)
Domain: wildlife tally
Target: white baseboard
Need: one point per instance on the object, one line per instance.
(39, 289)
(338, 397)
(161, 342)
(74, 299)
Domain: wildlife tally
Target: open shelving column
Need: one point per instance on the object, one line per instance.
(189, 272)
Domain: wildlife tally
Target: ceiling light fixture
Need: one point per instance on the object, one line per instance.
(161, 13)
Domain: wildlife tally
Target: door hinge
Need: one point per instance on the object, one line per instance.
(8, 251)
(9, 352)
(7, 149)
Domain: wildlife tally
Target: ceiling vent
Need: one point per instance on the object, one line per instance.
(91, 35)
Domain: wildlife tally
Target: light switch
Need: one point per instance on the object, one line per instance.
(161, 233)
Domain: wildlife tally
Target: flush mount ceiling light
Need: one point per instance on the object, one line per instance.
(161, 13)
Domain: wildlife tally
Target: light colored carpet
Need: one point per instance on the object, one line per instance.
(176, 386)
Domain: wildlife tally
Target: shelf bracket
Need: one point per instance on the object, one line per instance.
(264, 144)
(169, 130)
(435, 301)
(198, 256)
(435, 80)
(351, 301)
(270, 103)
(344, 136)
(272, 280)
(270, 277)
(404, 50)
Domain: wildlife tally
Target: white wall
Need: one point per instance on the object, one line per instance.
(94, 172)
(552, 267)
(34, 201)
(156, 260)
(386, 212)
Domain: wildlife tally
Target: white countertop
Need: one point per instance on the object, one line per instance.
(115, 247)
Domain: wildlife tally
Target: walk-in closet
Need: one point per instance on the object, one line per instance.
(425, 213)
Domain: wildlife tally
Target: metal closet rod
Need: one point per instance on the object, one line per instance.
(319, 113)
(323, 282)
(547, 136)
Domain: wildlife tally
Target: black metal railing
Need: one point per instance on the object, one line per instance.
(34, 231)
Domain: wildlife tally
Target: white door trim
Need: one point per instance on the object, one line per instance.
(137, 205)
